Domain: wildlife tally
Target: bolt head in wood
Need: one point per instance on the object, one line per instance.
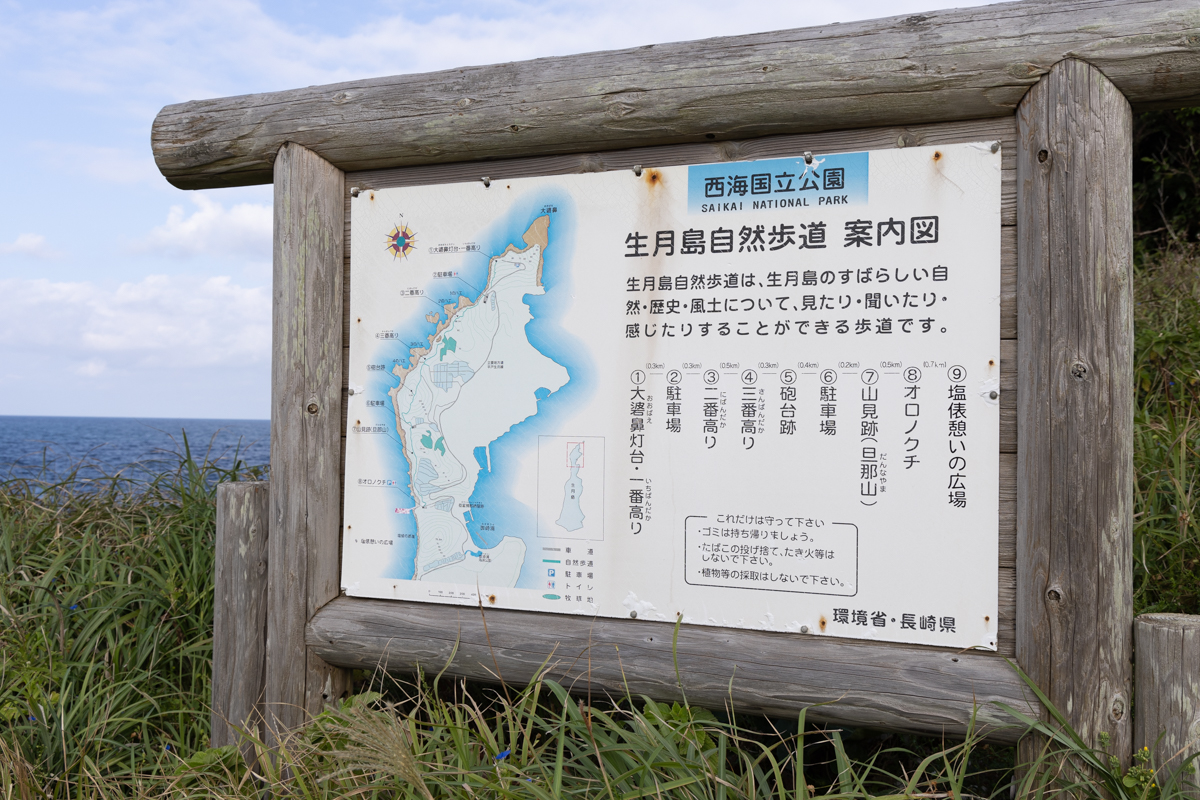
(313, 408)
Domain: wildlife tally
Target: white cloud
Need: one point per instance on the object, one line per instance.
(161, 322)
(29, 244)
(148, 52)
(211, 229)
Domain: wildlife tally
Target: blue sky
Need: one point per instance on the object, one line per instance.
(123, 296)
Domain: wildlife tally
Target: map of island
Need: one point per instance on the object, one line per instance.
(571, 518)
(479, 376)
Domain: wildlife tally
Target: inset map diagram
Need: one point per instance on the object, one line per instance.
(571, 487)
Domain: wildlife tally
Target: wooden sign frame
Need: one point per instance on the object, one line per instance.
(1053, 83)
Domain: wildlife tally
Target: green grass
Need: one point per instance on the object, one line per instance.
(1167, 429)
(105, 658)
(105, 619)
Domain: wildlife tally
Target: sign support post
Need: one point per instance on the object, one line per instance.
(306, 421)
(1075, 400)
(239, 613)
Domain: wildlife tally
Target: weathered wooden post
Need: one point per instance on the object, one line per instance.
(1075, 395)
(240, 612)
(306, 424)
(1168, 692)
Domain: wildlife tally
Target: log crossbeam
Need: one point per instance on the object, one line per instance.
(936, 67)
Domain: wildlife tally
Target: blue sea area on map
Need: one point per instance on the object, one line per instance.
(494, 489)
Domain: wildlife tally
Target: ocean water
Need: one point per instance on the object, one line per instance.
(54, 446)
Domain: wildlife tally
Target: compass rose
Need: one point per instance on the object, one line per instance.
(401, 241)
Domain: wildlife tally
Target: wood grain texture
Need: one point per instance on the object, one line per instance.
(306, 419)
(1008, 395)
(1168, 691)
(897, 687)
(240, 611)
(1008, 273)
(1075, 399)
(935, 67)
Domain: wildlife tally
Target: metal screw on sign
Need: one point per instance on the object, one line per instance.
(808, 157)
(486, 181)
(354, 191)
(637, 170)
(995, 147)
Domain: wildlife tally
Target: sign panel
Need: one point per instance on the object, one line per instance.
(758, 394)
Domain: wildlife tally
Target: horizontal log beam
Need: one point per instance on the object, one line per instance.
(935, 67)
(877, 685)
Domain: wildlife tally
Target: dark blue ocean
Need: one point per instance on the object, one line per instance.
(51, 447)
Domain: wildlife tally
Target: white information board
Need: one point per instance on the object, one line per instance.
(759, 394)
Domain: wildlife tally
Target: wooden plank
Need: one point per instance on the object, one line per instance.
(240, 612)
(1168, 691)
(1008, 269)
(1008, 518)
(908, 70)
(1008, 395)
(1006, 642)
(306, 419)
(896, 687)
(1075, 400)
